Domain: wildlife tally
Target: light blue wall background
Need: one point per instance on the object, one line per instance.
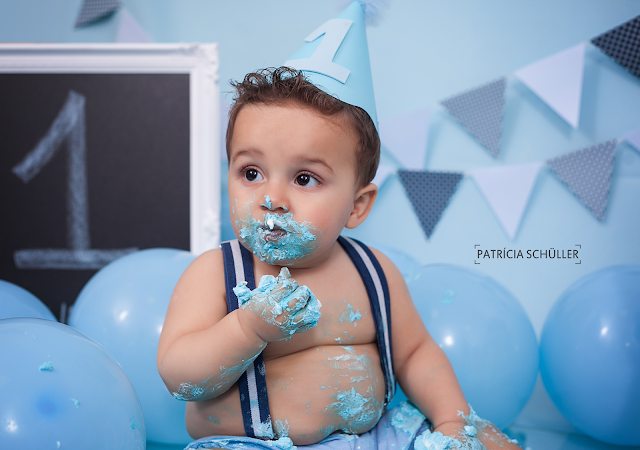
(423, 52)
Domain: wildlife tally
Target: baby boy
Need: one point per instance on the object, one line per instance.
(313, 352)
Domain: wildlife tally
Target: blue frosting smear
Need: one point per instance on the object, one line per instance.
(436, 441)
(281, 428)
(357, 410)
(350, 316)
(466, 439)
(407, 418)
(267, 202)
(277, 295)
(284, 443)
(191, 392)
(48, 367)
(351, 360)
(277, 238)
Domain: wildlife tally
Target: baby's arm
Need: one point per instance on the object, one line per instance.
(203, 350)
(424, 371)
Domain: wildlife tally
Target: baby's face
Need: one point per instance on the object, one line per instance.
(292, 182)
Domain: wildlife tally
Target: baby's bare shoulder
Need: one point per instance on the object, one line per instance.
(395, 280)
(407, 327)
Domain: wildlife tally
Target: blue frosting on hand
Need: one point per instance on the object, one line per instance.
(276, 296)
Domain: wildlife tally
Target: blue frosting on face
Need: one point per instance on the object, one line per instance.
(267, 202)
(278, 239)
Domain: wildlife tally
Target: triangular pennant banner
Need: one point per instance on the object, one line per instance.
(507, 190)
(480, 113)
(405, 136)
(587, 173)
(557, 80)
(622, 44)
(93, 10)
(429, 193)
(129, 30)
(633, 139)
(382, 174)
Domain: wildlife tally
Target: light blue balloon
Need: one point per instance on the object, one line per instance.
(590, 354)
(18, 302)
(123, 307)
(60, 389)
(485, 333)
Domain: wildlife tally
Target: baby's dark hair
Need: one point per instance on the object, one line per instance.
(281, 85)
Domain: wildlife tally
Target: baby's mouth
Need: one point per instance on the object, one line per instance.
(272, 232)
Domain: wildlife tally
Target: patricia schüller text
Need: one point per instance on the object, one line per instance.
(510, 253)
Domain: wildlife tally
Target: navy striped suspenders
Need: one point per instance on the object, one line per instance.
(378, 291)
(253, 383)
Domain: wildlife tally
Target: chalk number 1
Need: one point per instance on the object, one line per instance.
(68, 127)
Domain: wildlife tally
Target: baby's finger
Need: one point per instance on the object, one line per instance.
(298, 298)
(309, 314)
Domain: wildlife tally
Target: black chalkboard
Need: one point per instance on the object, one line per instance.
(92, 166)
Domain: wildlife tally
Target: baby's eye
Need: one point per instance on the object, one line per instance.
(252, 175)
(304, 179)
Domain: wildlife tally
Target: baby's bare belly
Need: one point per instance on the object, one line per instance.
(312, 393)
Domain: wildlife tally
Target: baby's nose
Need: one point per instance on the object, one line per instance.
(273, 204)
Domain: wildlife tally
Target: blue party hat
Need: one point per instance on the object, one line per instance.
(335, 57)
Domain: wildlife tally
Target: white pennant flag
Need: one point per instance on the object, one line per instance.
(557, 80)
(382, 174)
(633, 139)
(129, 30)
(507, 190)
(405, 136)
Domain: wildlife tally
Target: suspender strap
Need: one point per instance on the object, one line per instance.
(238, 267)
(378, 291)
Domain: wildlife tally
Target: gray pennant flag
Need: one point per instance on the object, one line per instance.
(93, 10)
(429, 193)
(480, 113)
(622, 44)
(587, 173)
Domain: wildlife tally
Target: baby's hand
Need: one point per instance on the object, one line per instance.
(278, 307)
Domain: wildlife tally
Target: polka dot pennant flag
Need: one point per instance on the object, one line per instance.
(587, 173)
(429, 193)
(622, 44)
(480, 111)
(93, 10)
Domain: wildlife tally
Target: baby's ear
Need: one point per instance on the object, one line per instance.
(362, 204)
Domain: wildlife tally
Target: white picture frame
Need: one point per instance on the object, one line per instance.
(199, 61)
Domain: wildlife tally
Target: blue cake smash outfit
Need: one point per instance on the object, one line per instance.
(396, 429)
